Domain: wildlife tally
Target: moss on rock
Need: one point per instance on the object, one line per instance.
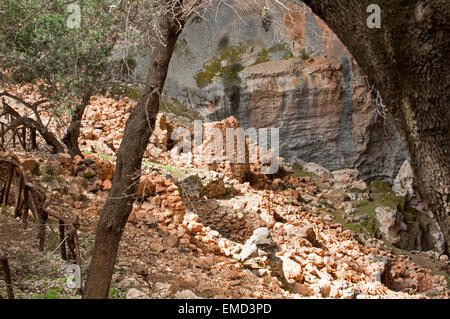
(226, 64)
(266, 55)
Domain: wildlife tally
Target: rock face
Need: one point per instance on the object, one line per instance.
(295, 75)
(424, 231)
(404, 182)
(391, 224)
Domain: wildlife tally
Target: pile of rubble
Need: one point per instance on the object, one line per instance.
(291, 230)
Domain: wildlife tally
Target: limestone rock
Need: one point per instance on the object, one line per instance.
(317, 170)
(404, 182)
(293, 272)
(186, 294)
(322, 105)
(261, 236)
(172, 241)
(134, 293)
(63, 158)
(28, 164)
(391, 223)
(127, 284)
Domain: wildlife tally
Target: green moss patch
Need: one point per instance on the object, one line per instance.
(133, 93)
(226, 64)
(266, 55)
(299, 172)
(381, 192)
(169, 105)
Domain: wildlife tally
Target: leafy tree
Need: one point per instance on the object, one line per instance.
(65, 64)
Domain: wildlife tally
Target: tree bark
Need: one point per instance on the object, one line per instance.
(407, 60)
(138, 129)
(70, 139)
(37, 124)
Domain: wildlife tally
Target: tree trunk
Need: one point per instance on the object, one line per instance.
(70, 139)
(138, 129)
(407, 60)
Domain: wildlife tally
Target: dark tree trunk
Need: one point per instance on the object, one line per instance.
(70, 139)
(407, 60)
(138, 129)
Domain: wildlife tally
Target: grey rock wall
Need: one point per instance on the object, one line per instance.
(295, 75)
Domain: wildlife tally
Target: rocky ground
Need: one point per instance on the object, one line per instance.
(202, 230)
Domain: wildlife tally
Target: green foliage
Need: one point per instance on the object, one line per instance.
(115, 293)
(226, 65)
(63, 63)
(132, 92)
(382, 193)
(324, 203)
(266, 55)
(56, 293)
(299, 172)
(304, 55)
(50, 178)
(231, 74)
(353, 226)
(371, 227)
(379, 186)
(170, 105)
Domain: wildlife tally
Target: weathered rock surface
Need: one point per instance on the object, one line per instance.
(391, 224)
(404, 181)
(296, 76)
(136, 294)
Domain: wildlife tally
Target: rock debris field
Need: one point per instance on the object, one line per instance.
(216, 230)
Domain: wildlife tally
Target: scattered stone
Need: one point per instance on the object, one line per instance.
(391, 223)
(172, 241)
(134, 293)
(140, 269)
(106, 185)
(292, 271)
(404, 182)
(151, 221)
(28, 164)
(301, 289)
(63, 158)
(261, 236)
(127, 283)
(317, 170)
(186, 294)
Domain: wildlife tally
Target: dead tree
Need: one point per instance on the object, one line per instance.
(31, 198)
(37, 123)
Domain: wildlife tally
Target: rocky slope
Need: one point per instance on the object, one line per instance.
(278, 242)
(223, 231)
(294, 74)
